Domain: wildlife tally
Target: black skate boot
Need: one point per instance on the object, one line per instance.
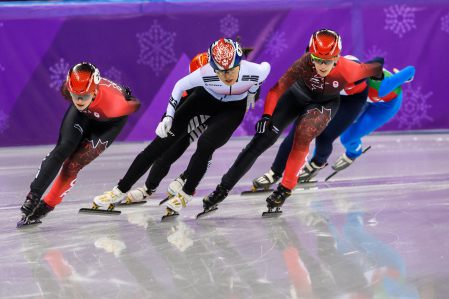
(39, 212)
(31, 201)
(309, 171)
(276, 200)
(211, 201)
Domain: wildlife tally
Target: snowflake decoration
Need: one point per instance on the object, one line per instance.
(4, 121)
(400, 19)
(229, 26)
(58, 73)
(2, 68)
(445, 23)
(156, 48)
(276, 44)
(414, 108)
(113, 74)
(375, 51)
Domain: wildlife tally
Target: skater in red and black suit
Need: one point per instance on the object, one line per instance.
(99, 110)
(308, 93)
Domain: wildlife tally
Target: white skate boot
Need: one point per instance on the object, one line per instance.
(177, 203)
(138, 195)
(175, 186)
(342, 162)
(109, 198)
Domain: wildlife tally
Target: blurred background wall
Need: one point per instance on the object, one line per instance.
(147, 46)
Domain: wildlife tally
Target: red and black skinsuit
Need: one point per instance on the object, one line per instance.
(301, 95)
(83, 136)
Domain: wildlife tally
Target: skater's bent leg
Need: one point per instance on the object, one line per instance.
(101, 136)
(280, 161)
(219, 131)
(71, 133)
(350, 107)
(310, 125)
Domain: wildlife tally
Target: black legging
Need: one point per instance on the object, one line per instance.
(75, 127)
(350, 108)
(224, 118)
(293, 104)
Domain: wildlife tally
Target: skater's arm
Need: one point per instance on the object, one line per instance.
(292, 74)
(353, 71)
(188, 82)
(391, 83)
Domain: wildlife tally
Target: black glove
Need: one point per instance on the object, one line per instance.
(127, 93)
(263, 124)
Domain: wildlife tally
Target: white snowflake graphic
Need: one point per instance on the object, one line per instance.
(414, 110)
(4, 121)
(400, 19)
(375, 51)
(156, 48)
(445, 23)
(276, 44)
(58, 73)
(229, 26)
(113, 74)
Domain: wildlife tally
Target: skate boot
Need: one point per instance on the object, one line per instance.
(39, 212)
(276, 200)
(173, 188)
(137, 196)
(309, 171)
(176, 204)
(342, 162)
(264, 182)
(108, 199)
(31, 201)
(211, 201)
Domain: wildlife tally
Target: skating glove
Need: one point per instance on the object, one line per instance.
(263, 124)
(163, 128)
(250, 101)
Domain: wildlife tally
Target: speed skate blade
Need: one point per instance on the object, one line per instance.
(258, 191)
(124, 204)
(271, 214)
(99, 211)
(168, 218)
(25, 223)
(208, 212)
(331, 175)
(165, 200)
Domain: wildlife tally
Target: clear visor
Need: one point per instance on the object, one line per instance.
(82, 97)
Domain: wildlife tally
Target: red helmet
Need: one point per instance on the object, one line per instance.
(83, 78)
(325, 44)
(225, 54)
(198, 61)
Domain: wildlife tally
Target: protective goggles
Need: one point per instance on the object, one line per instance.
(224, 72)
(82, 97)
(322, 61)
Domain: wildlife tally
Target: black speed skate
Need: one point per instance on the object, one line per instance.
(276, 200)
(31, 201)
(263, 183)
(39, 212)
(211, 201)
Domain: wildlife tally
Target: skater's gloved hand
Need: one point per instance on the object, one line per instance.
(163, 128)
(263, 124)
(250, 101)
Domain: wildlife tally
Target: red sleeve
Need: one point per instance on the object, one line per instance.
(287, 80)
(353, 71)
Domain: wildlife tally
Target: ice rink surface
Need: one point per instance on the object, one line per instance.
(379, 229)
